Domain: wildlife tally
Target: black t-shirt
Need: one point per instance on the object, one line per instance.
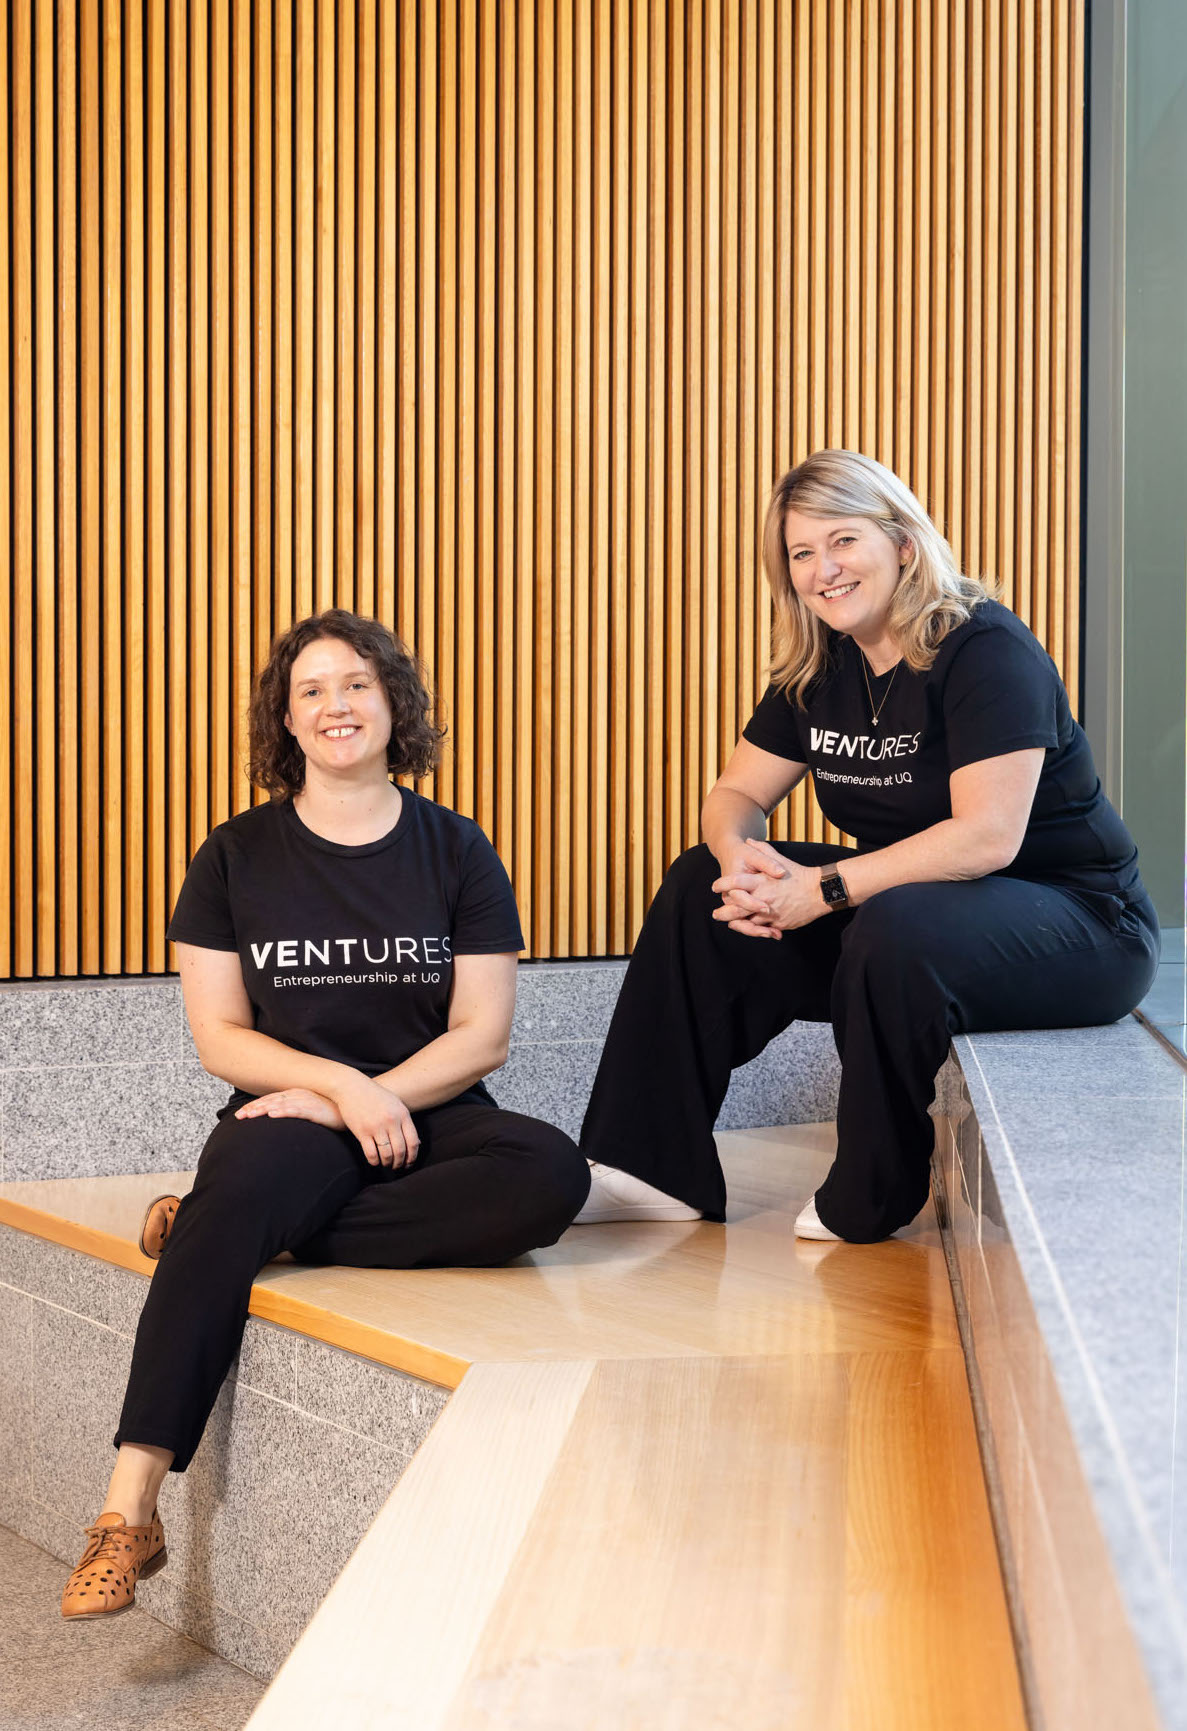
(347, 952)
(992, 689)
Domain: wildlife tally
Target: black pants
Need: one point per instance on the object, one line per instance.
(897, 978)
(487, 1185)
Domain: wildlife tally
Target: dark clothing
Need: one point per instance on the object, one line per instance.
(992, 689)
(347, 952)
(487, 1186)
(897, 978)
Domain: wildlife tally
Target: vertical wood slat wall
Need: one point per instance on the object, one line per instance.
(499, 320)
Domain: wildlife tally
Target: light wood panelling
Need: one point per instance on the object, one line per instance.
(500, 320)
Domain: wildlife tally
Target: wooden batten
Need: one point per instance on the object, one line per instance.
(500, 321)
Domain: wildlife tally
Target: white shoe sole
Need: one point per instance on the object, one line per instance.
(618, 1196)
(636, 1211)
(809, 1225)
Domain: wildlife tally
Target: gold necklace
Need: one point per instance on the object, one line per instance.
(875, 713)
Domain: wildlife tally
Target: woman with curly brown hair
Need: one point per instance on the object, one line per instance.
(348, 959)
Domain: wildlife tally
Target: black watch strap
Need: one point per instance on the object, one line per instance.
(832, 888)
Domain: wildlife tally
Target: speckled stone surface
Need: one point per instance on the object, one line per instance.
(267, 1360)
(122, 1675)
(70, 1280)
(565, 1000)
(15, 1369)
(125, 1022)
(274, 1503)
(1079, 1175)
(94, 1121)
(304, 1445)
(103, 1079)
(549, 1080)
(367, 1399)
(794, 1081)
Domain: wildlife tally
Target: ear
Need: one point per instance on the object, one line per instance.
(288, 722)
(905, 552)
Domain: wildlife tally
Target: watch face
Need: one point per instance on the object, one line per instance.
(833, 890)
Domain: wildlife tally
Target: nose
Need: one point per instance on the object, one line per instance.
(829, 565)
(338, 704)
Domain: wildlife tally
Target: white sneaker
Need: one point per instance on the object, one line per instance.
(808, 1224)
(615, 1195)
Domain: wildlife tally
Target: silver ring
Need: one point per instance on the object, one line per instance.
(383, 1144)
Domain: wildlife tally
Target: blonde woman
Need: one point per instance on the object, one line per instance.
(992, 885)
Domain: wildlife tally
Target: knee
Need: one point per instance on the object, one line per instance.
(693, 870)
(249, 1159)
(554, 1174)
(688, 883)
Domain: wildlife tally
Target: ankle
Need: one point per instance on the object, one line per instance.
(139, 1473)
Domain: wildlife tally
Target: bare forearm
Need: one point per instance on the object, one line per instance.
(728, 818)
(258, 1064)
(949, 852)
(445, 1067)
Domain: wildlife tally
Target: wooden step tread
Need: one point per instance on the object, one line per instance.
(694, 1477)
(637, 1291)
(693, 1542)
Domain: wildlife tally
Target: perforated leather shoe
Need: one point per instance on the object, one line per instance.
(116, 1557)
(158, 1224)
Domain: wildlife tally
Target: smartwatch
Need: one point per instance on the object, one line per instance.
(832, 888)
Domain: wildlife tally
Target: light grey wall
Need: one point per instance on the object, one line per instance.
(1135, 522)
(102, 1078)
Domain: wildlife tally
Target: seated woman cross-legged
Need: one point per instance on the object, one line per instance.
(348, 963)
(993, 885)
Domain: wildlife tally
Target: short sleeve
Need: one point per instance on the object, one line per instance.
(203, 912)
(486, 921)
(1002, 694)
(774, 727)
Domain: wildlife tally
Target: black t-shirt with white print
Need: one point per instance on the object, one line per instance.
(347, 952)
(992, 689)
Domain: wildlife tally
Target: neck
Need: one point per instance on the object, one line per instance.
(882, 652)
(348, 811)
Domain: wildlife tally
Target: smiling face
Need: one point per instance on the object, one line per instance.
(338, 711)
(845, 570)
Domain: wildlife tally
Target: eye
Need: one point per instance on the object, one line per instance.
(802, 553)
(311, 691)
(844, 540)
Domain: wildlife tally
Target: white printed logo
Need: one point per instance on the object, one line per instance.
(302, 953)
(871, 747)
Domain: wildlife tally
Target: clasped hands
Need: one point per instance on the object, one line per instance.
(764, 894)
(377, 1118)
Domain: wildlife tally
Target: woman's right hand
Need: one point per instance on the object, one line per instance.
(752, 867)
(378, 1119)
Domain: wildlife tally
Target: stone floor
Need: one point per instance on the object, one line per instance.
(122, 1675)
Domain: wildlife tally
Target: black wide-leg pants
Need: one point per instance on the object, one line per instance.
(897, 977)
(487, 1185)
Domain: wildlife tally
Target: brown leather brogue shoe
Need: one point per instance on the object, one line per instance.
(158, 1224)
(116, 1557)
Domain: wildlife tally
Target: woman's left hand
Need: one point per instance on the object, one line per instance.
(295, 1103)
(779, 903)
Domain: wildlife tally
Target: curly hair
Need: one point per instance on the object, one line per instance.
(277, 763)
(932, 595)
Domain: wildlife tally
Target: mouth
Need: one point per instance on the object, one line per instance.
(837, 594)
(338, 732)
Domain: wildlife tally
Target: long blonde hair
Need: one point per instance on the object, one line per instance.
(932, 595)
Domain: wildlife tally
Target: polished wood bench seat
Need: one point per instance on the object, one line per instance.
(691, 1476)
